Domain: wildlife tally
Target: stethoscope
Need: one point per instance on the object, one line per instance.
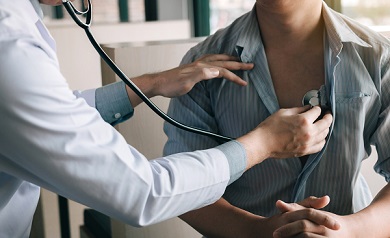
(311, 98)
(73, 12)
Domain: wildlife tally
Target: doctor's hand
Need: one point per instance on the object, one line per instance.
(179, 81)
(287, 133)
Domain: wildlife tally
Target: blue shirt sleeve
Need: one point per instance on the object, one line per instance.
(113, 103)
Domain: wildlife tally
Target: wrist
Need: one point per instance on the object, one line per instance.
(255, 146)
(358, 223)
(145, 84)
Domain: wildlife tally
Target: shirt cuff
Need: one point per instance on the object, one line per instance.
(236, 156)
(113, 103)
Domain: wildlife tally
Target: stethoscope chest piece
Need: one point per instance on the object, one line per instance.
(311, 98)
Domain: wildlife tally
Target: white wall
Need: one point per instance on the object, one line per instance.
(80, 65)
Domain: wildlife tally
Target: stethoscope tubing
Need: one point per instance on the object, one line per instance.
(73, 12)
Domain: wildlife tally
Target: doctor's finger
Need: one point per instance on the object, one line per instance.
(217, 57)
(231, 65)
(223, 73)
(324, 122)
(319, 137)
(313, 148)
(312, 114)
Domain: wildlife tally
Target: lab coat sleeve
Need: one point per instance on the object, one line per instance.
(51, 138)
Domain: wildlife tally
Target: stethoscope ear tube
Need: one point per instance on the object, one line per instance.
(73, 12)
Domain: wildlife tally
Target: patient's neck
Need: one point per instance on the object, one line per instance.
(290, 25)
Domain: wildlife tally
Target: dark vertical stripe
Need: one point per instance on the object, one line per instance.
(201, 17)
(64, 217)
(58, 12)
(151, 10)
(123, 10)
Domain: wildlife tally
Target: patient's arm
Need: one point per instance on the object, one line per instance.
(221, 219)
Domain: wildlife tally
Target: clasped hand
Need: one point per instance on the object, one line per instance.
(304, 219)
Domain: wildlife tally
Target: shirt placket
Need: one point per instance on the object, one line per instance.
(331, 61)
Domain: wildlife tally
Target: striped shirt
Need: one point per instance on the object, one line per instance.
(357, 83)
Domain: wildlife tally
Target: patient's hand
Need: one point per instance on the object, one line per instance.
(312, 228)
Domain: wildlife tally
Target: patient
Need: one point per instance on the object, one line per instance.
(296, 46)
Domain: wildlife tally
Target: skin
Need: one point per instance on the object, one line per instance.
(293, 129)
(298, 23)
(287, 133)
(370, 222)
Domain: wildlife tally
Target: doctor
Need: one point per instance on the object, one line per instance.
(64, 141)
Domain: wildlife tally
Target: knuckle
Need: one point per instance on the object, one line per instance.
(326, 220)
(310, 212)
(198, 63)
(304, 225)
(304, 122)
(307, 136)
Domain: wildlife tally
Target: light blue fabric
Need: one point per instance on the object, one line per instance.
(113, 103)
(358, 83)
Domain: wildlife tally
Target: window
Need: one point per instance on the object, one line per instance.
(375, 13)
(371, 13)
(224, 12)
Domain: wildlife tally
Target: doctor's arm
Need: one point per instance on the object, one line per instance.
(180, 80)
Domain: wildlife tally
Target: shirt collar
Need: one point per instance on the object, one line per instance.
(337, 30)
(249, 36)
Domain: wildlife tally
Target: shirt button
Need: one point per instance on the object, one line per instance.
(117, 115)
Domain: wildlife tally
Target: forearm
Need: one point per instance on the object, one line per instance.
(221, 219)
(375, 216)
(146, 84)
